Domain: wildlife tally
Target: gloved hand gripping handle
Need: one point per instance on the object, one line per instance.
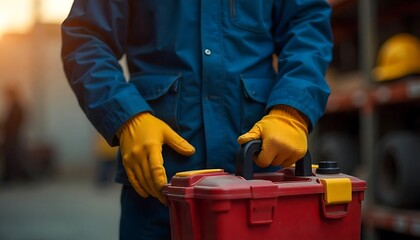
(244, 161)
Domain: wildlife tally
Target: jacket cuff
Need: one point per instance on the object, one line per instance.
(289, 112)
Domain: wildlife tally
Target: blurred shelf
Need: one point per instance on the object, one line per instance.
(396, 92)
(380, 94)
(390, 10)
(397, 220)
(345, 102)
(343, 21)
(347, 92)
(341, 4)
(393, 12)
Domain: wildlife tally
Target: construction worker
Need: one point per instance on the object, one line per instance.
(201, 83)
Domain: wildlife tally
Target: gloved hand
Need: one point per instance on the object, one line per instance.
(141, 140)
(284, 137)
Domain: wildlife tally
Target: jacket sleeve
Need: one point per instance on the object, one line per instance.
(303, 42)
(94, 38)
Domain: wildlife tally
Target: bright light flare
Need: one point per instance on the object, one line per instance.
(17, 16)
(55, 11)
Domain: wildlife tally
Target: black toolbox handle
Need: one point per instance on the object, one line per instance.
(244, 161)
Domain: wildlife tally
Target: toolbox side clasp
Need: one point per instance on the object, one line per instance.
(263, 204)
(334, 211)
(261, 211)
(338, 195)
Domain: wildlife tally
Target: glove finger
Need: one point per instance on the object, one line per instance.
(157, 170)
(135, 183)
(143, 172)
(269, 153)
(292, 158)
(178, 143)
(132, 176)
(288, 162)
(140, 174)
(162, 200)
(253, 134)
(140, 166)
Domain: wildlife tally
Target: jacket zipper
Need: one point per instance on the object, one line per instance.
(232, 8)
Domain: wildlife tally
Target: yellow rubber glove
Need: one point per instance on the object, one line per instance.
(141, 140)
(284, 137)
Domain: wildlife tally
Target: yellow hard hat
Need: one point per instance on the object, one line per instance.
(398, 57)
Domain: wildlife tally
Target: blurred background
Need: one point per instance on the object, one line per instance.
(372, 122)
(61, 187)
(57, 179)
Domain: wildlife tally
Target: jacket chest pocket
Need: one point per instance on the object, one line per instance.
(251, 15)
(162, 94)
(256, 91)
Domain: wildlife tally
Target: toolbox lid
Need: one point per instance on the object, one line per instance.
(233, 187)
(217, 184)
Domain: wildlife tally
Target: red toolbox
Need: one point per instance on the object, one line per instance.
(213, 204)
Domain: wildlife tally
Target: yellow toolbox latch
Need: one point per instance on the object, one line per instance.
(194, 172)
(337, 190)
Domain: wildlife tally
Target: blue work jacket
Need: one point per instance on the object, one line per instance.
(204, 67)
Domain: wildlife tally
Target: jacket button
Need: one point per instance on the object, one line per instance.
(207, 52)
